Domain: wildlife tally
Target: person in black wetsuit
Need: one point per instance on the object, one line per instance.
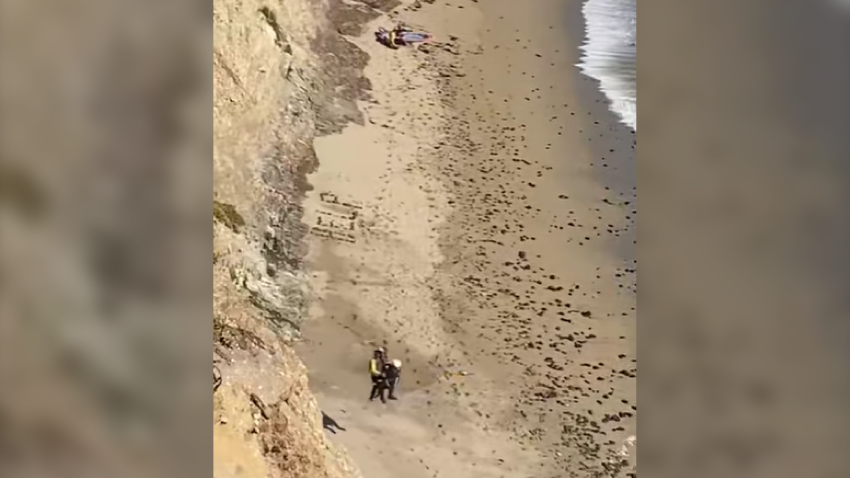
(392, 373)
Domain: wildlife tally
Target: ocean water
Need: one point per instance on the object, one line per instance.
(609, 53)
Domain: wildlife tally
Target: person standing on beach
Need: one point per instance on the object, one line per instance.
(376, 372)
(392, 372)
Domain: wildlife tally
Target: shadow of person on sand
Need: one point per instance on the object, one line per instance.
(330, 424)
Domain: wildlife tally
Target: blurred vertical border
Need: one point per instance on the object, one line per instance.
(745, 212)
(105, 277)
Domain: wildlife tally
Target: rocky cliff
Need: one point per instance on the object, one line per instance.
(283, 73)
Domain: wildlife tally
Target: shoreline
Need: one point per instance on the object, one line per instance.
(617, 172)
(609, 53)
(417, 266)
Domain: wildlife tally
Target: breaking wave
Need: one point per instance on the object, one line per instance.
(609, 53)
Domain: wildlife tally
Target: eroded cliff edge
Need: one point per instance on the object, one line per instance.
(283, 73)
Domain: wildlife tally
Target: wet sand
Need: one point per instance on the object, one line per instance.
(471, 225)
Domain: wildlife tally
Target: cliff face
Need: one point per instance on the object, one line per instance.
(282, 74)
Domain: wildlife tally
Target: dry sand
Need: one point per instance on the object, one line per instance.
(465, 227)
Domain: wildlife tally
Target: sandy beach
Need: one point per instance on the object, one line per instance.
(477, 225)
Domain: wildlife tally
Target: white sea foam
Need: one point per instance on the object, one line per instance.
(609, 53)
